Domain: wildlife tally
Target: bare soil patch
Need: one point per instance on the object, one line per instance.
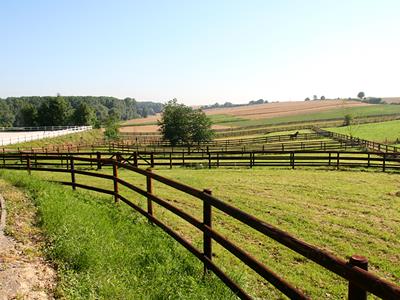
(154, 128)
(24, 273)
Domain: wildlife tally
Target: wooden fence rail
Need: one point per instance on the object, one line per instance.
(360, 281)
(374, 146)
(250, 159)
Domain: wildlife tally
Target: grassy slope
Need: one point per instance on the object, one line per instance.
(364, 111)
(379, 132)
(105, 251)
(73, 138)
(344, 212)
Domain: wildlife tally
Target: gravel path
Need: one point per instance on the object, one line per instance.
(22, 276)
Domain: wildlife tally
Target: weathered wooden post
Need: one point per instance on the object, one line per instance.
(292, 159)
(115, 179)
(337, 160)
(152, 160)
(28, 164)
(207, 221)
(98, 157)
(355, 292)
(149, 185)
(72, 169)
(384, 162)
(135, 159)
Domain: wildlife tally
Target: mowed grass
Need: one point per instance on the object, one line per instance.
(383, 132)
(344, 212)
(89, 136)
(364, 111)
(106, 251)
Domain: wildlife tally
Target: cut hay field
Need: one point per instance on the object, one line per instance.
(384, 132)
(276, 113)
(344, 212)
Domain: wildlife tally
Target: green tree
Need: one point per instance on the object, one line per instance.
(54, 112)
(6, 115)
(29, 115)
(361, 95)
(182, 124)
(322, 97)
(347, 119)
(83, 115)
(111, 131)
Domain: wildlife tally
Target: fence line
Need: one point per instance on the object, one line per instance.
(14, 137)
(360, 281)
(216, 159)
(356, 141)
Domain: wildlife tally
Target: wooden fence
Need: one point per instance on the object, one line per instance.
(216, 159)
(360, 280)
(356, 141)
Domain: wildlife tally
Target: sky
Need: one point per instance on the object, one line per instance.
(200, 52)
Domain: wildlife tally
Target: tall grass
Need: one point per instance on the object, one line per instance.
(107, 251)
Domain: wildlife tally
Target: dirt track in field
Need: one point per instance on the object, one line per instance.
(154, 128)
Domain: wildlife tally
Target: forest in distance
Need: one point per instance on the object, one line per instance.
(71, 110)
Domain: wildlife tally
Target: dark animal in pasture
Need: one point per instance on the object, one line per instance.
(294, 135)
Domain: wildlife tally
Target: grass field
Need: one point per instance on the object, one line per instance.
(74, 138)
(344, 212)
(384, 132)
(103, 251)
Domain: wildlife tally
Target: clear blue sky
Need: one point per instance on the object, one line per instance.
(200, 51)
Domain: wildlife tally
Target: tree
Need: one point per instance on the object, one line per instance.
(322, 97)
(29, 115)
(54, 112)
(111, 131)
(6, 115)
(315, 97)
(182, 124)
(307, 99)
(347, 120)
(361, 95)
(83, 115)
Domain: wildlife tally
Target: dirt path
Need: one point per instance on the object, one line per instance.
(23, 273)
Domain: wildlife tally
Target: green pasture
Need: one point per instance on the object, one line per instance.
(383, 132)
(104, 251)
(343, 212)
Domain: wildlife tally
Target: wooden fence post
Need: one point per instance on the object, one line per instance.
(135, 159)
(170, 160)
(28, 164)
(384, 162)
(149, 185)
(98, 157)
(115, 179)
(356, 293)
(209, 160)
(152, 160)
(72, 173)
(207, 221)
(337, 161)
(292, 159)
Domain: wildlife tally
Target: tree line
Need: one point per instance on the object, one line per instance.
(71, 110)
